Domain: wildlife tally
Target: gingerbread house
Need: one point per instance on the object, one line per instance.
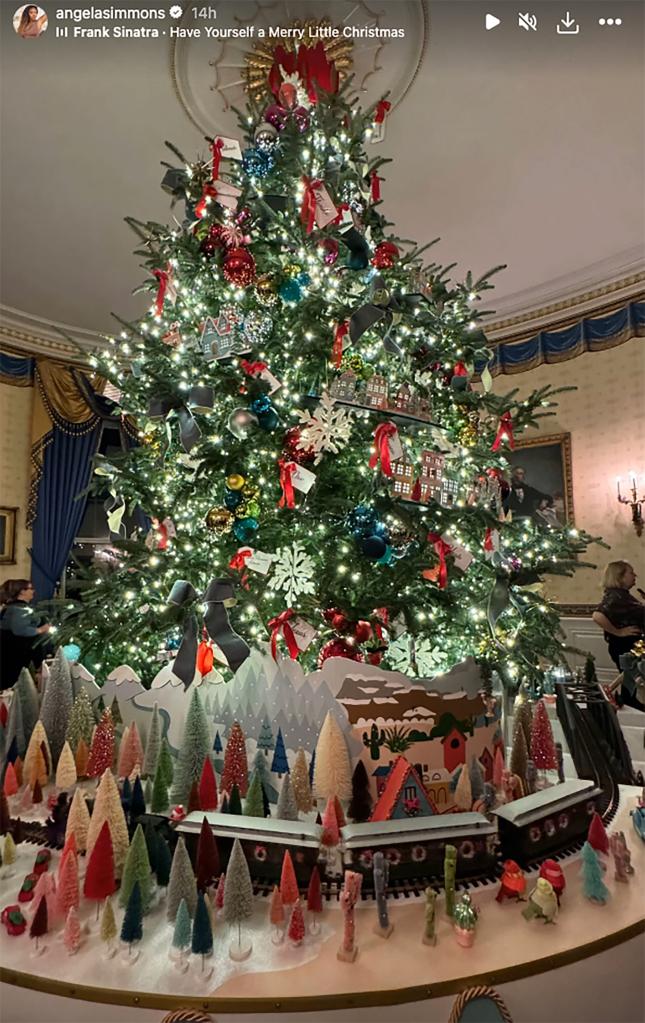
(403, 478)
(403, 795)
(376, 392)
(344, 387)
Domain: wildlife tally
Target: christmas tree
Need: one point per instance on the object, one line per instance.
(10, 783)
(235, 801)
(67, 892)
(182, 882)
(66, 768)
(160, 801)
(153, 745)
(254, 803)
(593, 885)
(360, 806)
(182, 930)
(542, 745)
(81, 721)
(202, 937)
(102, 748)
(25, 690)
(194, 748)
(265, 738)
(261, 768)
(300, 783)
(166, 763)
(99, 881)
(291, 329)
(238, 893)
(132, 927)
(287, 808)
(296, 928)
(39, 924)
(208, 865)
(164, 861)
(288, 882)
(107, 807)
(72, 931)
(597, 836)
(332, 771)
(279, 763)
(35, 763)
(208, 786)
(108, 923)
(235, 762)
(137, 871)
(78, 820)
(57, 704)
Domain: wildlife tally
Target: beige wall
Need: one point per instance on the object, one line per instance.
(15, 444)
(606, 420)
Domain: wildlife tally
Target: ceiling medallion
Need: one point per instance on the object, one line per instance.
(381, 45)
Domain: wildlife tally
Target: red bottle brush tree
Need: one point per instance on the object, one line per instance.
(99, 881)
(208, 786)
(597, 836)
(543, 752)
(39, 924)
(102, 749)
(288, 883)
(296, 924)
(314, 899)
(236, 767)
(208, 864)
(193, 798)
(331, 830)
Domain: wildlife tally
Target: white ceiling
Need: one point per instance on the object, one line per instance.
(514, 147)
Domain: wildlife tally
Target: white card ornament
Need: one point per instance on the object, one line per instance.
(461, 556)
(171, 287)
(260, 562)
(378, 133)
(227, 194)
(273, 382)
(396, 447)
(231, 149)
(325, 209)
(303, 632)
(303, 480)
(112, 392)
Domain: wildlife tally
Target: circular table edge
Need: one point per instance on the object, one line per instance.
(362, 999)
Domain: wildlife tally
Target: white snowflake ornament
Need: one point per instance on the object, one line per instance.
(293, 572)
(417, 658)
(327, 430)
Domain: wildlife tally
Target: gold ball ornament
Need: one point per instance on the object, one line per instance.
(235, 481)
(250, 491)
(266, 290)
(220, 520)
(292, 270)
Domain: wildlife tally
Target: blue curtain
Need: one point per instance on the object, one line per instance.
(67, 465)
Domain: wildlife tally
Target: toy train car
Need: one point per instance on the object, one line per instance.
(415, 847)
(264, 841)
(548, 821)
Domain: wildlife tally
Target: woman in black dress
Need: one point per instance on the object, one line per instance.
(621, 616)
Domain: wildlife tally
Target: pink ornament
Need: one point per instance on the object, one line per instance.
(287, 95)
(277, 116)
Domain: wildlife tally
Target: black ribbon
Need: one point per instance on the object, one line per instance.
(383, 307)
(200, 399)
(217, 598)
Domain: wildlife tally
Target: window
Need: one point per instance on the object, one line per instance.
(410, 792)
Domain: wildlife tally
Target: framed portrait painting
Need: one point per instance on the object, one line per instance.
(540, 478)
(8, 536)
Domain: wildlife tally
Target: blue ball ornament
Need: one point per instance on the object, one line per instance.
(72, 651)
(290, 290)
(261, 405)
(245, 528)
(388, 557)
(232, 498)
(303, 279)
(258, 163)
(373, 547)
(269, 420)
(380, 529)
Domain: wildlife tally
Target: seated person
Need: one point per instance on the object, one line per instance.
(621, 616)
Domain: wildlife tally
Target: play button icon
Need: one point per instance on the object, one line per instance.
(491, 22)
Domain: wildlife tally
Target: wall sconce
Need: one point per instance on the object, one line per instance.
(635, 503)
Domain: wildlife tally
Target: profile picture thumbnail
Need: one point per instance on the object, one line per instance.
(30, 21)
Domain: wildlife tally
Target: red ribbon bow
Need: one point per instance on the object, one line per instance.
(216, 149)
(504, 433)
(287, 470)
(342, 329)
(382, 435)
(253, 369)
(208, 192)
(308, 208)
(163, 277)
(281, 625)
(489, 542)
(375, 184)
(382, 107)
(238, 563)
(441, 549)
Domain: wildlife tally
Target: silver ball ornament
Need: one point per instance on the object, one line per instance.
(242, 423)
(266, 137)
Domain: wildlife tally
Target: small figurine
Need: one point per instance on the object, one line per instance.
(381, 870)
(13, 920)
(349, 896)
(26, 892)
(512, 883)
(638, 818)
(465, 920)
(178, 814)
(41, 863)
(429, 936)
(552, 872)
(622, 857)
(542, 902)
(511, 786)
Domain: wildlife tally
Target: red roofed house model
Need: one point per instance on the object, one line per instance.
(403, 795)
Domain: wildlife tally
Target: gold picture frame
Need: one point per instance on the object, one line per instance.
(8, 518)
(547, 464)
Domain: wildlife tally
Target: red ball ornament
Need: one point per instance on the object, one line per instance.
(213, 241)
(385, 255)
(239, 267)
(339, 648)
(292, 449)
(362, 632)
(337, 619)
